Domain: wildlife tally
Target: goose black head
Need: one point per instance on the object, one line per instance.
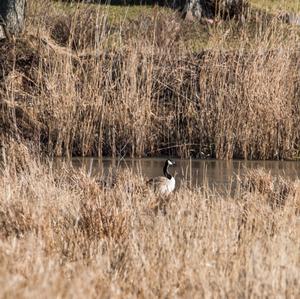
(165, 170)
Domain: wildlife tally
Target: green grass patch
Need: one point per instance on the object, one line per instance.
(277, 5)
(116, 14)
(139, 22)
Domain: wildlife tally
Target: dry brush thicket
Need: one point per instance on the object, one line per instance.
(78, 83)
(62, 235)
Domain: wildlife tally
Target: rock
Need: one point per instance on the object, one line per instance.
(290, 18)
(2, 33)
(197, 10)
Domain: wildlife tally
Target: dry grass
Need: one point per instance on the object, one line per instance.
(61, 235)
(138, 87)
(135, 87)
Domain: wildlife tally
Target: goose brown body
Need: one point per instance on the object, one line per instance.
(163, 185)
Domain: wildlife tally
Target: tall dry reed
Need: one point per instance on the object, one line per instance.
(63, 235)
(81, 84)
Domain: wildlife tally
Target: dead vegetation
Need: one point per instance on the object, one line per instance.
(68, 88)
(143, 87)
(61, 234)
(275, 190)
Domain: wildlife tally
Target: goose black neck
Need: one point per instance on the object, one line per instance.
(166, 172)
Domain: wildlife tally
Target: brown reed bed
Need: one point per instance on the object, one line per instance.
(150, 86)
(63, 235)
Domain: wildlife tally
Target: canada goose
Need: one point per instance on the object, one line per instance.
(163, 185)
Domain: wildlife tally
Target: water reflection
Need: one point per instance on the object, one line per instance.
(215, 173)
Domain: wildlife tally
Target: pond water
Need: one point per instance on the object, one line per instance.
(214, 173)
